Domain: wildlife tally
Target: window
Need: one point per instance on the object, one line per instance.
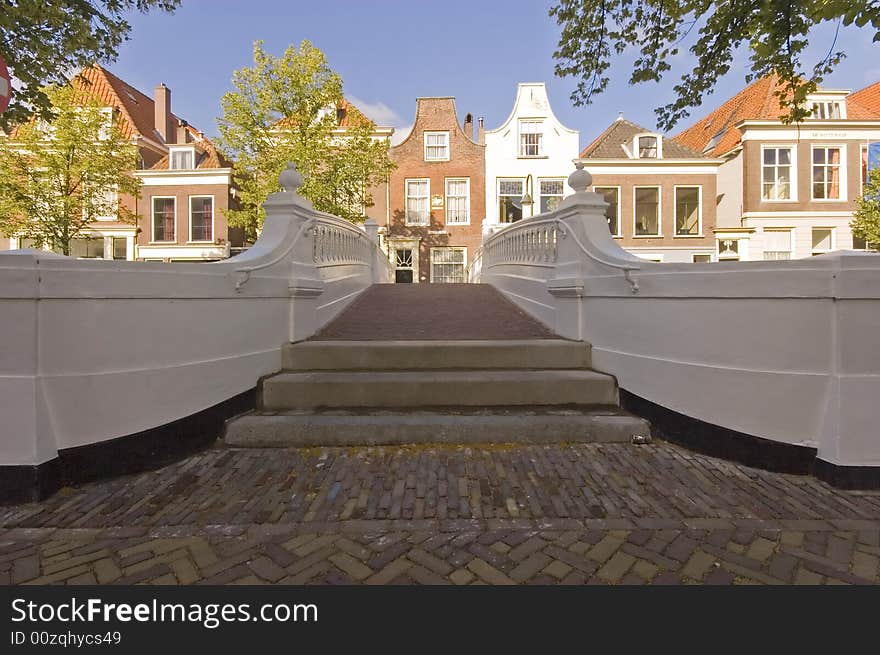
(777, 174)
(612, 212)
(687, 211)
(864, 167)
(823, 240)
(861, 244)
(530, 136)
(403, 265)
(701, 259)
(182, 158)
(120, 248)
(510, 193)
(436, 146)
(448, 265)
(826, 174)
(826, 110)
(88, 248)
(164, 216)
(551, 194)
(201, 218)
(458, 201)
(417, 192)
(777, 244)
(647, 147)
(647, 211)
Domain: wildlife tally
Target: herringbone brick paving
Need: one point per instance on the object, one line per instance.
(567, 514)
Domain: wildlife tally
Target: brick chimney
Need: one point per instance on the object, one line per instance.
(182, 133)
(162, 113)
(481, 132)
(469, 126)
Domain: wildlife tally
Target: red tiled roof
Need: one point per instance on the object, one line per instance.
(757, 101)
(864, 100)
(207, 155)
(622, 132)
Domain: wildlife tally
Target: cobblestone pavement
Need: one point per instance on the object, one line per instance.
(569, 514)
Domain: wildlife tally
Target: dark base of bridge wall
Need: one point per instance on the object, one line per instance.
(133, 453)
(747, 449)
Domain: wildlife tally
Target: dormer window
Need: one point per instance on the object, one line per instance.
(181, 159)
(827, 110)
(648, 146)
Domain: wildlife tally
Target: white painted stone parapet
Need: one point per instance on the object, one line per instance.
(93, 349)
(784, 350)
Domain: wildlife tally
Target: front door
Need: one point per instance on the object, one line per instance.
(403, 265)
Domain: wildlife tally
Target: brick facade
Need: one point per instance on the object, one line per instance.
(466, 161)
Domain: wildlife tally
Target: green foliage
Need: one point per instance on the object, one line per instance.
(866, 218)
(56, 178)
(283, 110)
(43, 40)
(775, 31)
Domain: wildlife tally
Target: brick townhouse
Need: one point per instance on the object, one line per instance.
(437, 196)
(187, 184)
(661, 195)
(786, 190)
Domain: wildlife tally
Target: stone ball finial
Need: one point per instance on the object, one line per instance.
(290, 179)
(580, 180)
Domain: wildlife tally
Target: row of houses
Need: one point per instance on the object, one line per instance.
(739, 184)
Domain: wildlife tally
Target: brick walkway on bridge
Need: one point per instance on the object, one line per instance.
(568, 514)
(407, 312)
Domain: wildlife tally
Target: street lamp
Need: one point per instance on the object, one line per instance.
(527, 197)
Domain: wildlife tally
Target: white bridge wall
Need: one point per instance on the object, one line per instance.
(786, 350)
(93, 350)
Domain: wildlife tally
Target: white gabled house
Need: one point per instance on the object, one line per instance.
(529, 157)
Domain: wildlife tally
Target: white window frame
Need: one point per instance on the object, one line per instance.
(191, 150)
(498, 195)
(637, 154)
(831, 248)
(659, 212)
(842, 167)
(519, 137)
(153, 218)
(464, 260)
(406, 197)
(213, 216)
(445, 135)
(791, 242)
(467, 196)
(619, 208)
(792, 184)
(694, 256)
(824, 103)
(549, 195)
(675, 189)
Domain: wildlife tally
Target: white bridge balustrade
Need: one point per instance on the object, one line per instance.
(93, 350)
(788, 351)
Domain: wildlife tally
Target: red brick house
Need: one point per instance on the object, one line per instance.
(186, 183)
(437, 196)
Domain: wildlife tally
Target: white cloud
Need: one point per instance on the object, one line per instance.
(378, 112)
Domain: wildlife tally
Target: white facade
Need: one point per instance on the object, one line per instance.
(532, 152)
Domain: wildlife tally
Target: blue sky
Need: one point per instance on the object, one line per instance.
(389, 52)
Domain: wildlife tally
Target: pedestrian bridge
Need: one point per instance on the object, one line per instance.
(110, 366)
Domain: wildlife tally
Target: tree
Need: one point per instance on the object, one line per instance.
(42, 40)
(58, 177)
(285, 109)
(775, 31)
(866, 218)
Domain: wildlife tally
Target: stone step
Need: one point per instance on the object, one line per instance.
(412, 355)
(501, 425)
(437, 388)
